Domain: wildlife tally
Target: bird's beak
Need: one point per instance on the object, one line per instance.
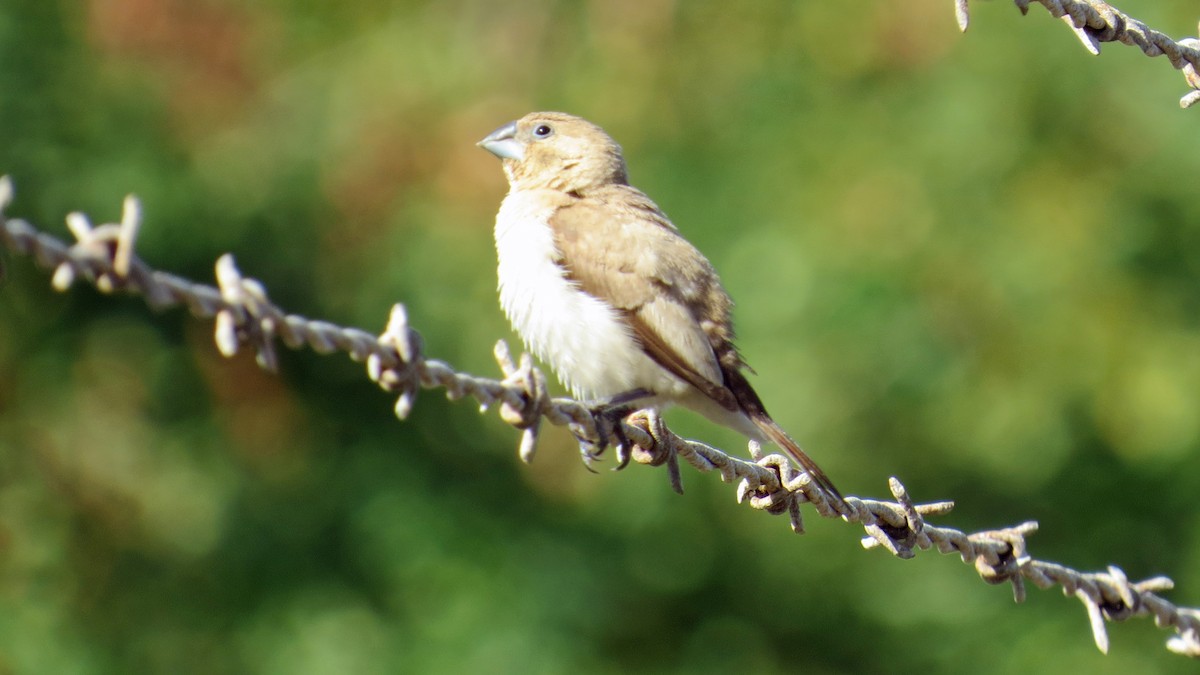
(503, 143)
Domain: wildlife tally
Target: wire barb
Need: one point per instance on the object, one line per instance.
(395, 360)
(1095, 21)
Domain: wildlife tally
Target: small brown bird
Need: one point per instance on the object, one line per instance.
(602, 287)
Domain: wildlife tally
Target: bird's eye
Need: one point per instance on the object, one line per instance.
(543, 131)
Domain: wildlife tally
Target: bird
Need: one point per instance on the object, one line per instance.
(602, 286)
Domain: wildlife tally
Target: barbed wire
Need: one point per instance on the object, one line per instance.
(104, 256)
(1095, 21)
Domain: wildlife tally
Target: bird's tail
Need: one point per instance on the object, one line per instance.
(752, 406)
(779, 437)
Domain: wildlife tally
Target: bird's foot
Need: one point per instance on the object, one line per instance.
(609, 413)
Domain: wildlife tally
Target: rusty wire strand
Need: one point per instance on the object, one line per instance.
(104, 256)
(1095, 21)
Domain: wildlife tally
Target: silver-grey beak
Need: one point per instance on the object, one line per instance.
(503, 143)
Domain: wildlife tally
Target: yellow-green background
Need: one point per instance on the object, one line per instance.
(970, 261)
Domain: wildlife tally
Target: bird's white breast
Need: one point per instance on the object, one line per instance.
(581, 337)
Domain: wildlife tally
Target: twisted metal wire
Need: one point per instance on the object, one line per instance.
(1095, 21)
(104, 256)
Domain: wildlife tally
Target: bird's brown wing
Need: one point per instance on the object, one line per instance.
(618, 247)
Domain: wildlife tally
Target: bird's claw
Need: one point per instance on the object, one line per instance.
(624, 448)
(609, 415)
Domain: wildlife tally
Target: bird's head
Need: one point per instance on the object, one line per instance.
(557, 151)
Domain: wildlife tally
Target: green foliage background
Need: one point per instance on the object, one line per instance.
(968, 261)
